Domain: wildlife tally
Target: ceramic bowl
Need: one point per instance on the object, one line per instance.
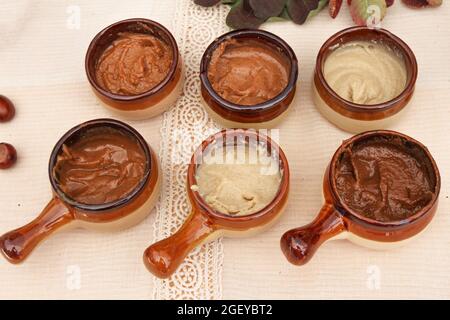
(205, 224)
(268, 114)
(353, 117)
(147, 104)
(337, 221)
(63, 212)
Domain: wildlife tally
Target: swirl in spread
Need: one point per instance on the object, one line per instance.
(248, 72)
(133, 64)
(238, 180)
(365, 72)
(103, 166)
(385, 180)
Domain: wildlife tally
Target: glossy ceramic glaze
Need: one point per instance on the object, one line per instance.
(337, 221)
(204, 223)
(149, 103)
(264, 115)
(62, 211)
(355, 117)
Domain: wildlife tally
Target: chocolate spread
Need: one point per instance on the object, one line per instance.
(103, 166)
(248, 72)
(133, 64)
(386, 179)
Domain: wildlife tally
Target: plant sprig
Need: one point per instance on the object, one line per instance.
(253, 13)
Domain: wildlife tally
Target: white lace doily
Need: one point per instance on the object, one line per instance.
(184, 127)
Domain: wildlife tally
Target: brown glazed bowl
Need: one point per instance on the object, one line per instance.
(147, 104)
(353, 117)
(205, 224)
(62, 211)
(337, 221)
(264, 115)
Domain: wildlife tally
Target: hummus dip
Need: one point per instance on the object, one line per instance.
(238, 180)
(366, 72)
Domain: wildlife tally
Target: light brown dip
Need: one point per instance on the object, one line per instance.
(133, 64)
(238, 181)
(103, 166)
(248, 72)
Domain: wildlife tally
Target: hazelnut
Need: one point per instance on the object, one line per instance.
(7, 109)
(8, 155)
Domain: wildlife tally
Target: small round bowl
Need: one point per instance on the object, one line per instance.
(63, 212)
(150, 103)
(205, 224)
(353, 117)
(337, 221)
(264, 115)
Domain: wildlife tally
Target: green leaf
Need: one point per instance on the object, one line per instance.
(284, 14)
(322, 4)
(241, 16)
(206, 3)
(299, 10)
(230, 2)
(367, 12)
(265, 9)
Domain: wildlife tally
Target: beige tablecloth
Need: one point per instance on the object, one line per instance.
(42, 71)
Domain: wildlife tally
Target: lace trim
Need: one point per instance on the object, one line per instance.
(184, 127)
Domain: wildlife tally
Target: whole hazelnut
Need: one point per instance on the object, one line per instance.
(7, 110)
(8, 155)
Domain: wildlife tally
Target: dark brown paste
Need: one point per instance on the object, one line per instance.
(384, 178)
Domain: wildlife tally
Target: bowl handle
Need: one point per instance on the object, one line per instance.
(300, 244)
(17, 245)
(164, 257)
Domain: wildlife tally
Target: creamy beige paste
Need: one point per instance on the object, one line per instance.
(238, 180)
(365, 72)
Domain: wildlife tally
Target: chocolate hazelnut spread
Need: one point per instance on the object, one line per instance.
(134, 64)
(103, 166)
(385, 179)
(248, 72)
